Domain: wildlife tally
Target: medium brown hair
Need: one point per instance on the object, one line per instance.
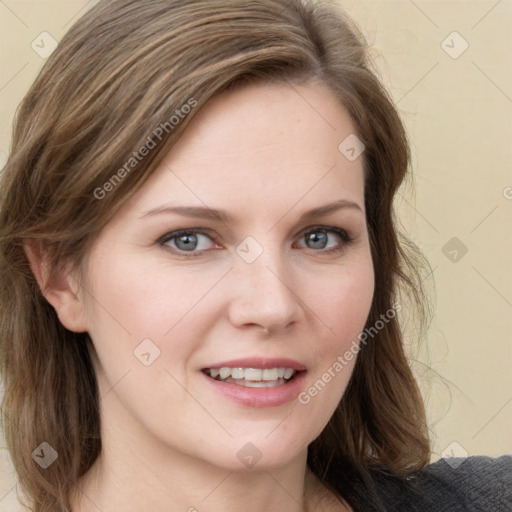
(121, 72)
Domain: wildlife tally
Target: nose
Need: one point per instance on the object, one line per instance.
(264, 295)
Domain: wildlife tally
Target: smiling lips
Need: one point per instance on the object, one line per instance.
(257, 382)
(256, 372)
(252, 377)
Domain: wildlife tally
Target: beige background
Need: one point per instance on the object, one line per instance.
(458, 112)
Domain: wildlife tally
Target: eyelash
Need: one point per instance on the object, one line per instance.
(346, 240)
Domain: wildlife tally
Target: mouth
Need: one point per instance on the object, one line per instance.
(253, 377)
(257, 382)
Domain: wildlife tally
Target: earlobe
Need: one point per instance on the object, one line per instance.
(58, 287)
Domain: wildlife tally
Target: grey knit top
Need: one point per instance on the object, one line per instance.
(473, 484)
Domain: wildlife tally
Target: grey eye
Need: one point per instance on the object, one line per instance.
(186, 242)
(316, 240)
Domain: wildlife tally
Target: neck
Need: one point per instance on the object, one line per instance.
(132, 483)
(136, 471)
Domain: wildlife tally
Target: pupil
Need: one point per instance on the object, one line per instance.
(318, 240)
(186, 242)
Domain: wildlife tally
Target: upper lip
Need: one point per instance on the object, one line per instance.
(259, 362)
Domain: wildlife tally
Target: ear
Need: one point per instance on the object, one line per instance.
(59, 288)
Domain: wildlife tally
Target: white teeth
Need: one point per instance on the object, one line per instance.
(288, 373)
(270, 374)
(225, 373)
(252, 375)
(237, 373)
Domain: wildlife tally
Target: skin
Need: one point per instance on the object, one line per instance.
(265, 153)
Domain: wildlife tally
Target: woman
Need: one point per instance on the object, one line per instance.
(201, 272)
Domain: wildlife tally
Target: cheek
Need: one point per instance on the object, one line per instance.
(144, 300)
(127, 306)
(343, 305)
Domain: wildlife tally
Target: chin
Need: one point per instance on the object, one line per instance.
(258, 455)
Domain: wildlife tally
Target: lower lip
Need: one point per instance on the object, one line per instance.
(259, 397)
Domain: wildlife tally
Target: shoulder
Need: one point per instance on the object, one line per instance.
(472, 484)
(477, 482)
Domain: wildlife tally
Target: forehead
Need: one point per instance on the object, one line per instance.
(260, 148)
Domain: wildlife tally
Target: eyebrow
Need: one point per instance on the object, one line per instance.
(226, 218)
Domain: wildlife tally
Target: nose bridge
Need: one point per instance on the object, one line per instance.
(265, 287)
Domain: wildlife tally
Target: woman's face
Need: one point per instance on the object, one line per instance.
(243, 228)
